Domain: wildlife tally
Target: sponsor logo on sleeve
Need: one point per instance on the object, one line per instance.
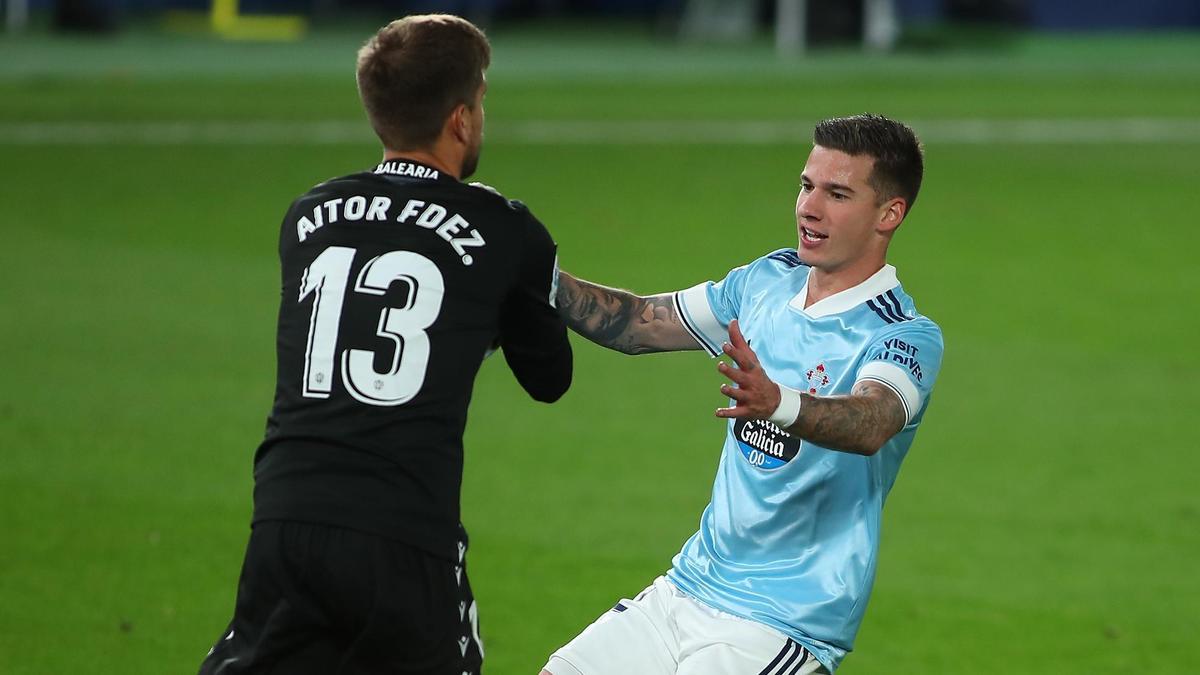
(901, 353)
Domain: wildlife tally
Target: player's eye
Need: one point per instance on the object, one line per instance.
(840, 196)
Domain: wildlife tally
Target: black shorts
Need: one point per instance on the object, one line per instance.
(324, 600)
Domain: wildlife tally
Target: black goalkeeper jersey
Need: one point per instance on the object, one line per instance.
(396, 283)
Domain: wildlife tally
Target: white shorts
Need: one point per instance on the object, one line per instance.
(665, 632)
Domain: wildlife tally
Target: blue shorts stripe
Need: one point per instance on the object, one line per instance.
(790, 659)
(803, 660)
(787, 647)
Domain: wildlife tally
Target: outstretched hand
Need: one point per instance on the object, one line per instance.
(756, 396)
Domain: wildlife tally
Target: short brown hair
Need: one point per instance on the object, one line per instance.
(415, 71)
(899, 159)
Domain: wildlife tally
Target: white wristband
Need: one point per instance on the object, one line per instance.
(789, 408)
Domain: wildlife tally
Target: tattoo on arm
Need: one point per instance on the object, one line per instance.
(620, 320)
(860, 423)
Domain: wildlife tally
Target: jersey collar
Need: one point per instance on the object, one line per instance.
(882, 281)
(403, 167)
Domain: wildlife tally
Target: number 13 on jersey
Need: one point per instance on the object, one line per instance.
(326, 279)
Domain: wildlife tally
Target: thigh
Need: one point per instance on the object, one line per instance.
(727, 657)
(713, 642)
(327, 600)
(419, 619)
(274, 629)
(633, 637)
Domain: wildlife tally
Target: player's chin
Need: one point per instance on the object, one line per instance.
(808, 256)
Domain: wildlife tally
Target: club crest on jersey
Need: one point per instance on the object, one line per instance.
(763, 444)
(817, 378)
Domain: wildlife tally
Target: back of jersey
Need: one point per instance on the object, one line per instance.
(395, 284)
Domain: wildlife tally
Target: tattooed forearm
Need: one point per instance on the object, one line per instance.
(619, 319)
(860, 423)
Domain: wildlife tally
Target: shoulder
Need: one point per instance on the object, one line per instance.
(918, 327)
(890, 322)
(784, 258)
(334, 186)
(491, 195)
(765, 269)
(352, 180)
(515, 212)
(893, 310)
(319, 192)
(778, 263)
(915, 344)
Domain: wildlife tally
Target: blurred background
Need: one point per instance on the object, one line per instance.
(1047, 519)
(879, 24)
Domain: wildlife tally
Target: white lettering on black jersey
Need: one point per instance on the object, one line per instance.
(396, 282)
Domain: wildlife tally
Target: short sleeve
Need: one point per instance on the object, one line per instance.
(907, 360)
(706, 309)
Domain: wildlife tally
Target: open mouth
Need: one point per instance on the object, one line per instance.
(810, 235)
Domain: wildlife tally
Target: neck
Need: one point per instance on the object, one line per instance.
(427, 157)
(824, 283)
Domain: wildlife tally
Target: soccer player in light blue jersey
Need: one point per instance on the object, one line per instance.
(835, 366)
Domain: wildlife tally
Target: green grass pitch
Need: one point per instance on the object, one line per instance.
(1047, 519)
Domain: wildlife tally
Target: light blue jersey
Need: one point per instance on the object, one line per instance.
(791, 535)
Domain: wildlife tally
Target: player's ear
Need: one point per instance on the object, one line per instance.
(460, 123)
(891, 214)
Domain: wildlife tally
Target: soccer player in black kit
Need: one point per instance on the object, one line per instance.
(397, 282)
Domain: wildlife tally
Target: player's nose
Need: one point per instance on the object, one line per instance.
(807, 207)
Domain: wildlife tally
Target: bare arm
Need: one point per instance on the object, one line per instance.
(859, 423)
(620, 320)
